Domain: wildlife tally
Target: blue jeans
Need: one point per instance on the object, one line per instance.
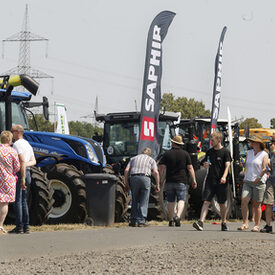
(21, 203)
(140, 188)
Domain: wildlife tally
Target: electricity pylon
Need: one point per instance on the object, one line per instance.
(25, 37)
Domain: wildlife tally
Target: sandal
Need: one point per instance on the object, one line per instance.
(243, 227)
(2, 230)
(256, 229)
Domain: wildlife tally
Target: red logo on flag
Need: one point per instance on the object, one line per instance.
(213, 128)
(148, 129)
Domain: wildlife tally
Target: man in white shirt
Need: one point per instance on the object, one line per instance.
(27, 159)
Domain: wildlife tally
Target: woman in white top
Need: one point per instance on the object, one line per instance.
(254, 181)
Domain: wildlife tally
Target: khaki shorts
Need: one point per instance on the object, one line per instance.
(269, 193)
(254, 191)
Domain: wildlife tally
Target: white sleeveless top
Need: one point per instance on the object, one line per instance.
(253, 166)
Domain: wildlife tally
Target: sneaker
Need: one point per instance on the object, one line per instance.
(198, 225)
(177, 221)
(26, 230)
(171, 223)
(266, 229)
(224, 227)
(132, 224)
(16, 230)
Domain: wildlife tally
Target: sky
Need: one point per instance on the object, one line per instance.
(97, 49)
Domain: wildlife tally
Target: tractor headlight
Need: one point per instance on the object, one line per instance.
(91, 153)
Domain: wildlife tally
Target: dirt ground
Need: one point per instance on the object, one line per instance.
(185, 251)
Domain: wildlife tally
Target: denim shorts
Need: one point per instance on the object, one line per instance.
(175, 190)
(254, 191)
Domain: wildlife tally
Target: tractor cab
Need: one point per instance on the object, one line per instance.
(18, 113)
(199, 130)
(121, 134)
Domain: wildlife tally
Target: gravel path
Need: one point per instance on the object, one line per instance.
(153, 250)
(201, 257)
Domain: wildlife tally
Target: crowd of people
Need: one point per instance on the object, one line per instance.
(175, 165)
(15, 178)
(258, 187)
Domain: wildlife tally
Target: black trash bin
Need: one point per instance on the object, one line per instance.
(101, 195)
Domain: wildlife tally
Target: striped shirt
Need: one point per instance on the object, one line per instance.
(142, 164)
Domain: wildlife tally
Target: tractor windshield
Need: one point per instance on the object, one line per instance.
(121, 139)
(18, 115)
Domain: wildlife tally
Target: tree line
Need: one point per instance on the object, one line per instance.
(189, 108)
(77, 128)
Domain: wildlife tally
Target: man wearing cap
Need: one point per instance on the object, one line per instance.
(140, 169)
(217, 159)
(177, 162)
(270, 189)
(254, 181)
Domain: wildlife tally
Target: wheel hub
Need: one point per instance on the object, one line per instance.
(63, 198)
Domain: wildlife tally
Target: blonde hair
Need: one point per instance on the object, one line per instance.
(217, 135)
(6, 137)
(147, 151)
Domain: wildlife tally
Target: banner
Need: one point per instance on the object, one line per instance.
(217, 84)
(62, 126)
(151, 93)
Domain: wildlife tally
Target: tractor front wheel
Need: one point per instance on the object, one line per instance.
(69, 194)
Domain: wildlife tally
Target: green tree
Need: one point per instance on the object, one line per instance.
(84, 129)
(252, 123)
(42, 124)
(77, 128)
(189, 108)
(272, 123)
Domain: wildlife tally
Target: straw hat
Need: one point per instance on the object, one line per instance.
(177, 140)
(256, 138)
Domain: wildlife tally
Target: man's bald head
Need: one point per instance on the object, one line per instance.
(17, 131)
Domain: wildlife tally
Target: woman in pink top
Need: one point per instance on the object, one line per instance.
(254, 181)
(9, 166)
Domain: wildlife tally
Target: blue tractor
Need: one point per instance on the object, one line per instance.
(12, 112)
(62, 159)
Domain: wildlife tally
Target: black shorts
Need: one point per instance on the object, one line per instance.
(212, 188)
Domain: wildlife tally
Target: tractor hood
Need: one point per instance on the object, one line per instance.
(66, 147)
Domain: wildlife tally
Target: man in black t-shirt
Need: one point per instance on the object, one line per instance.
(177, 163)
(217, 160)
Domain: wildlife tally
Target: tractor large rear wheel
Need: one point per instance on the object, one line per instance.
(40, 197)
(157, 209)
(195, 198)
(69, 194)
